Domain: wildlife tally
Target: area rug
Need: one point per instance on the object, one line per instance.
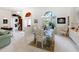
(44, 47)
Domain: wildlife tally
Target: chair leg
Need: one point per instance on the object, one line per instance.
(36, 43)
(42, 44)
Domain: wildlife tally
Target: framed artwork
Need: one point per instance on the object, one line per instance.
(5, 21)
(35, 21)
(61, 20)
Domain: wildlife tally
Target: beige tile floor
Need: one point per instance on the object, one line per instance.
(20, 43)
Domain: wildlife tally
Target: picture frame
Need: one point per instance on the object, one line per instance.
(35, 21)
(5, 21)
(61, 20)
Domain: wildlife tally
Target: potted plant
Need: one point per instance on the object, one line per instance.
(51, 25)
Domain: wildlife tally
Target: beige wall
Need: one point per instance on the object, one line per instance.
(5, 14)
(76, 16)
(38, 12)
(59, 11)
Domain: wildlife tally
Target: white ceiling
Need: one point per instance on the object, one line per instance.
(13, 8)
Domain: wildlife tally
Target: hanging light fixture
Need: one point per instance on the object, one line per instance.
(28, 14)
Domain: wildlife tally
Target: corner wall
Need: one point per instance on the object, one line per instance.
(37, 12)
(5, 14)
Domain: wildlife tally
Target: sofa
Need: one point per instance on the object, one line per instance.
(5, 38)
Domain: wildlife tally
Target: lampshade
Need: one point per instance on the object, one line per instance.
(28, 14)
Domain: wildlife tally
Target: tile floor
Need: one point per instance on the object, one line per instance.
(20, 41)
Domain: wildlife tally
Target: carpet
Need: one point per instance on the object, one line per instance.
(50, 49)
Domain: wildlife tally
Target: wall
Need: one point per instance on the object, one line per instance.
(75, 22)
(37, 13)
(4, 13)
(59, 11)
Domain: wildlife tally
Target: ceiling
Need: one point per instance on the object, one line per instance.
(13, 8)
